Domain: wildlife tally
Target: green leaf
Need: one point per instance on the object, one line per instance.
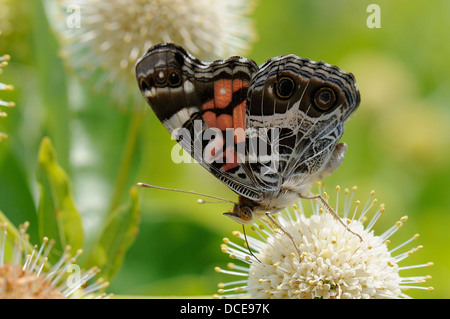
(16, 199)
(57, 215)
(117, 236)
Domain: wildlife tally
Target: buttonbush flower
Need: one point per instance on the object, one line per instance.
(333, 262)
(106, 37)
(4, 87)
(26, 274)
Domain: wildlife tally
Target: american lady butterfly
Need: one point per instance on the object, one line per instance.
(267, 132)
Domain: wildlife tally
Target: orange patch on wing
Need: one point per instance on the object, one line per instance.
(231, 160)
(224, 121)
(222, 93)
(239, 84)
(239, 122)
(208, 105)
(215, 148)
(210, 118)
(223, 96)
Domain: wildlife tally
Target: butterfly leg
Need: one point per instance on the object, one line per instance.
(331, 210)
(273, 220)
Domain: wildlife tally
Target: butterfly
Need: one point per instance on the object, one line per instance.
(268, 132)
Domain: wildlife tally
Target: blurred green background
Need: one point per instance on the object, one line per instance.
(399, 139)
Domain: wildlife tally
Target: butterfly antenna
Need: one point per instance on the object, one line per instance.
(221, 200)
(248, 246)
(201, 201)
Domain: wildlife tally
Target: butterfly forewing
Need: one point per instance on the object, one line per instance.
(205, 110)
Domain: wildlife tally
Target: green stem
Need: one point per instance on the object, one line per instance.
(12, 232)
(10, 228)
(127, 160)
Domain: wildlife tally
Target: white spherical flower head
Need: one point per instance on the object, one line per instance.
(27, 274)
(107, 37)
(318, 257)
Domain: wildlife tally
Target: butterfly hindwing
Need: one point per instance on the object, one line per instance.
(307, 102)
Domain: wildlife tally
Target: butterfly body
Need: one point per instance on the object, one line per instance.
(267, 132)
